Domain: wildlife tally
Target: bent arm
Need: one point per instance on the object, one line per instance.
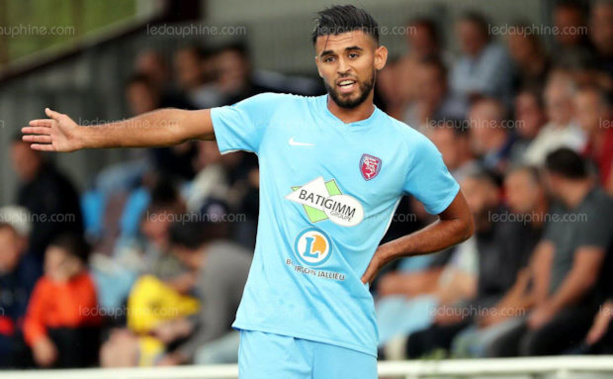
(455, 225)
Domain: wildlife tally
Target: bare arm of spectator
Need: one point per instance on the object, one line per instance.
(514, 303)
(163, 127)
(581, 278)
(409, 284)
(540, 270)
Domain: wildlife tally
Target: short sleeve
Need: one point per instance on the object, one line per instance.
(596, 230)
(242, 126)
(428, 179)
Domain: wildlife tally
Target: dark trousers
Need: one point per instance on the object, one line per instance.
(433, 338)
(566, 329)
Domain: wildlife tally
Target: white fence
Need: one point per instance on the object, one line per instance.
(570, 367)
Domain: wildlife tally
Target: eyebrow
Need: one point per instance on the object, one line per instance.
(328, 52)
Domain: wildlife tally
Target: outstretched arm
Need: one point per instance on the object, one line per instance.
(163, 127)
(455, 225)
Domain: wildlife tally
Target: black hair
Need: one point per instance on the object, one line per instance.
(566, 163)
(73, 244)
(479, 20)
(140, 78)
(340, 19)
(430, 26)
(190, 234)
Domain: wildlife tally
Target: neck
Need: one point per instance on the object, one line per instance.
(359, 113)
(541, 208)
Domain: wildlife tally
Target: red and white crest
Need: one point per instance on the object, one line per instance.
(370, 166)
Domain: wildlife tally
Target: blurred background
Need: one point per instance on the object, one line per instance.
(102, 253)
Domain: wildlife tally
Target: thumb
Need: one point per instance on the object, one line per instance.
(53, 114)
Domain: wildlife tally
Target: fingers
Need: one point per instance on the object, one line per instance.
(44, 123)
(53, 114)
(39, 139)
(41, 147)
(35, 130)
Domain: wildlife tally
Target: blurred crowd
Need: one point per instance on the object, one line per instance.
(147, 265)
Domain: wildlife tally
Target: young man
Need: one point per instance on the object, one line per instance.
(332, 170)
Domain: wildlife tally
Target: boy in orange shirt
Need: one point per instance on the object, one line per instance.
(62, 322)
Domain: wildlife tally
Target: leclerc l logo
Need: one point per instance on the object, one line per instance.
(370, 166)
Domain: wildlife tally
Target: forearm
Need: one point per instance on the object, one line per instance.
(164, 127)
(572, 289)
(435, 237)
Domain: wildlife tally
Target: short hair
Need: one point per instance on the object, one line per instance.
(140, 78)
(532, 171)
(340, 19)
(73, 244)
(190, 234)
(479, 20)
(566, 163)
(429, 24)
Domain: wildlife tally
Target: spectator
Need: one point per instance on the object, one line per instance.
(527, 201)
(196, 72)
(561, 130)
(18, 275)
(529, 57)
(601, 35)
(530, 118)
(453, 141)
(567, 263)
(593, 111)
(423, 43)
(48, 196)
(62, 322)
(235, 78)
(489, 136)
(222, 269)
(483, 69)
(504, 247)
(434, 103)
(571, 45)
(412, 301)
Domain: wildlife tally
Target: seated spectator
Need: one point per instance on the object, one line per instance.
(530, 118)
(567, 263)
(46, 193)
(196, 73)
(561, 130)
(62, 323)
(571, 48)
(529, 57)
(222, 268)
(594, 117)
(434, 105)
(601, 35)
(484, 68)
(527, 201)
(410, 301)
(453, 141)
(18, 275)
(503, 247)
(490, 138)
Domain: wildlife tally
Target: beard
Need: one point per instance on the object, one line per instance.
(345, 100)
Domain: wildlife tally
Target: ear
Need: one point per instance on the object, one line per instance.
(380, 57)
(317, 65)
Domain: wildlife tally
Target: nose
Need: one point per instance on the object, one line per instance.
(343, 67)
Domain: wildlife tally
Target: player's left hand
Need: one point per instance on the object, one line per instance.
(379, 259)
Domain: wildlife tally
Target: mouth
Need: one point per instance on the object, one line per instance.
(346, 85)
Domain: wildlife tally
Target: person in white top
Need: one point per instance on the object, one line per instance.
(561, 130)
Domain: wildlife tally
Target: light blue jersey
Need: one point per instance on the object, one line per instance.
(328, 191)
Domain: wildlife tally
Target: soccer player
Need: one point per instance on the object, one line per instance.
(332, 171)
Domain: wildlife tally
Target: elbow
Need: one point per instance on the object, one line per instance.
(468, 228)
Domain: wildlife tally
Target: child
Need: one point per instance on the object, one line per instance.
(62, 322)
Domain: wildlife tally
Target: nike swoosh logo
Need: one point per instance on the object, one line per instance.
(294, 143)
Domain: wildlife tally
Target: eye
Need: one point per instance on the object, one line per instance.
(353, 55)
(328, 59)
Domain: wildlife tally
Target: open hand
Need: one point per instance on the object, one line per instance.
(57, 133)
